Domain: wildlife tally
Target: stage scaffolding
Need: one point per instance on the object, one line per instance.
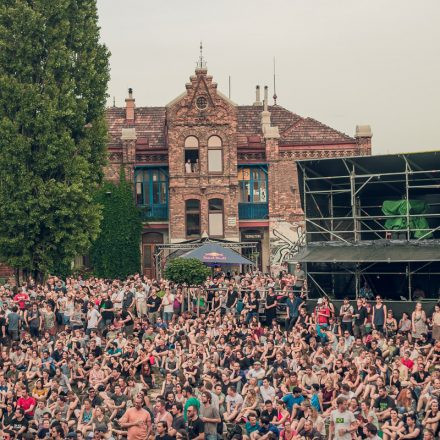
(164, 252)
(342, 200)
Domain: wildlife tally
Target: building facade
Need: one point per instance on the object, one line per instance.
(205, 166)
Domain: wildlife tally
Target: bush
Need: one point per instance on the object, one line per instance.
(187, 271)
(116, 251)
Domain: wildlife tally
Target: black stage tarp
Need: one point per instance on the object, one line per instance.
(372, 252)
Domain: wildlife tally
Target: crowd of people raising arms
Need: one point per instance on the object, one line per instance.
(142, 359)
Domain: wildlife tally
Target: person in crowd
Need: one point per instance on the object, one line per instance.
(139, 358)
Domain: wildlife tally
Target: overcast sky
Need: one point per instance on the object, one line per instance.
(342, 62)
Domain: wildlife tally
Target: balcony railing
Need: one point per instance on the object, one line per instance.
(154, 212)
(253, 211)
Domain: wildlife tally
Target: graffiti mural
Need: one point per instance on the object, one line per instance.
(286, 239)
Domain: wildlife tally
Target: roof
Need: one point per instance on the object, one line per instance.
(373, 252)
(382, 163)
(150, 124)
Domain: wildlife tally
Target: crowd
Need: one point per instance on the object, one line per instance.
(145, 359)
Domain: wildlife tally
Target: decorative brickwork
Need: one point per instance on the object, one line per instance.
(249, 135)
(184, 119)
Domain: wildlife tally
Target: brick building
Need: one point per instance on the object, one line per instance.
(205, 166)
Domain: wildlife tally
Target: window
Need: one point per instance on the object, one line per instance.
(201, 103)
(191, 155)
(192, 214)
(253, 185)
(215, 155)
(215, 213)
(151, 188)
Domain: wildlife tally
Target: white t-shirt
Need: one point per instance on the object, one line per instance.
(92, 318)
(168, 303)
(267, 393)
(235, 401)
(342, 420)
(140, 296)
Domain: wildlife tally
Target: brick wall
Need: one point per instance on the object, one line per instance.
(185, 119)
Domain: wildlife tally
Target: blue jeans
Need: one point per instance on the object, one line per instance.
(211, 437)
(167, 316)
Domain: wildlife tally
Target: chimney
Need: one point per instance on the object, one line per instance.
(266, 98)
(129, 106)
(363, 137)
(363, 131)
(269, 131)
(257, 102)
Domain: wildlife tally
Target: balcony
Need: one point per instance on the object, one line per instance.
(154, 212)
(253, 211)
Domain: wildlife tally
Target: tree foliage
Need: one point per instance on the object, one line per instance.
(187, 271)
(53, 81)
(116, 251)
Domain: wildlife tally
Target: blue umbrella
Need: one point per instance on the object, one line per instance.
(212, 253)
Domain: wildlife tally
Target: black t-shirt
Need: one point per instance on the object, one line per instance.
(178, 423)
(383, 403)
(232, 296)
(195, 428)
(270, 415)
(128, 299)
(7, 418)
(155, 303)
(164, 437)
(418, 378)
(362, 312)
(270, 300)
(107, 304)
(2, 324)
(313, 434)
(16, 424)
(126, 315)
(254, 303)
(57, 355)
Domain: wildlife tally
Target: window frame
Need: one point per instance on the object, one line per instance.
(216, 148)
(148, 183)
(262, 183)
(193, 211)
(191, 148)
(211, 211)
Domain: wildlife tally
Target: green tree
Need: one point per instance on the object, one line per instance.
(116, 251)
(187, 271)
(53, 81)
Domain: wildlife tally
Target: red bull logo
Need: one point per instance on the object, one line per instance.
(213, 256)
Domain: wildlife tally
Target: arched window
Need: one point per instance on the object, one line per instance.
(215, 218)
(215, 155)
(191, 155)
(192, 217)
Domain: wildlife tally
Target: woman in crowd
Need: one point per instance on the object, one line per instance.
(82, 377)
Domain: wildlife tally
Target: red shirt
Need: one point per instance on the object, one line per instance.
(21, 298)
(408, 363)
(25, 404)
(323, 319)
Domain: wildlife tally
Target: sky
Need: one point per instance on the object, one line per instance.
(342, 62)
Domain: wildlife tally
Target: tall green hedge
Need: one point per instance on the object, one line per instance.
(116, 251)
